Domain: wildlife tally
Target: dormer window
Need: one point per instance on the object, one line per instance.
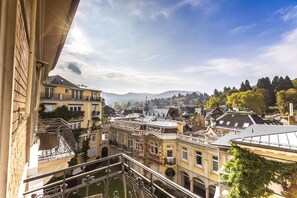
(221, 121)
(246, 124)
(236, 124)
(228, 123)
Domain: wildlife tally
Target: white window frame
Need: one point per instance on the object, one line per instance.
(156, 149)
(184, 151)
(169, 148)
(152, 148)
(215, 161)
(198, 155)
(104, 135)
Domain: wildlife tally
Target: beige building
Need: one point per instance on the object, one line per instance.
(32, 36)
(86, 105)
(188, 159)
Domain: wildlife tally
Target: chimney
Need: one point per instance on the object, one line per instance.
(291, 115)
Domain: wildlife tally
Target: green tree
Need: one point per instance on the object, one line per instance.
(212, 103)
(85, 148)
(283, 98)
(247, 100)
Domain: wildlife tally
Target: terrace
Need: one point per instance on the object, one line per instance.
(119, 167)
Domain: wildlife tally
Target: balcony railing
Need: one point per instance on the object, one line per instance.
(61, 96)
(170, 161)
(196, 140)
(118, 167)
(56, 139)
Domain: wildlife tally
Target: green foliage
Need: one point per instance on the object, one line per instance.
(73, 161)
(60, 112)
(283, 98)
(245, 86)
(85, 148)
(249, 175)
(247, 100)
(213, 102)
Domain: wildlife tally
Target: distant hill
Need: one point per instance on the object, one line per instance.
(111, 98)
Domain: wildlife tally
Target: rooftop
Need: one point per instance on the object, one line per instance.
(276, 137)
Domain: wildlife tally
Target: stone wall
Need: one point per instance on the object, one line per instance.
(19, 123)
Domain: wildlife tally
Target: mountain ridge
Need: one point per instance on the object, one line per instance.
(111, 98)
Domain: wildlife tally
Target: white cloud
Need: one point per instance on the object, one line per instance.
(288, 13)
(241, 29)
(278, 59)
(167, 12)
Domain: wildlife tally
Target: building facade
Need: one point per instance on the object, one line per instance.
(31, 40)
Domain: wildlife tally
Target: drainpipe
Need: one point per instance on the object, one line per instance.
(31, 57)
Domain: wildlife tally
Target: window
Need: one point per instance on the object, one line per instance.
(184, 154)
(136, 144)
(49, 92)
(130, 142)
(246, 124)
(75, 108)
(104, 135)
(169, 151)
(93, 137)
(75, 125)
(76, 94)
(154, 148)
(198, 155)
(93, 97)
(215, 163)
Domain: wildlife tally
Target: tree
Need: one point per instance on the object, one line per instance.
(213, 102)
(268, 99)
(216, 92)
(274, 83)
(85, 148)
(247, 85)
(283, 98)
(247, 100)
(242, 87)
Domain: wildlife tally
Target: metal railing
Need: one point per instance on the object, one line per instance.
(61, 96)
(56, 139)
(197, 140)
(136, 180)
(170, 161)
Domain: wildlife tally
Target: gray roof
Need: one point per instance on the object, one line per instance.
(238, 120)
(58, 80)
(277, 137)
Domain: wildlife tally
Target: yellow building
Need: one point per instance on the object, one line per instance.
(57, 92)
(187, 159)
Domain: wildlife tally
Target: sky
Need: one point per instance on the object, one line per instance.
(154, 46)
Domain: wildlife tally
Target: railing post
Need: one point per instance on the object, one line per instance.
(123, 177)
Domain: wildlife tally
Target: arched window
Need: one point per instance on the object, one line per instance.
(199, 187)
